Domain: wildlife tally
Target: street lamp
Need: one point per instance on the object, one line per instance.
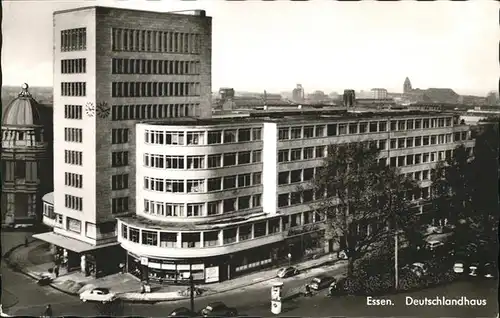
(189, 276)
(289, 259)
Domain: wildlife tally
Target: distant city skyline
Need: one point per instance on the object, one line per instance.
(327, 46)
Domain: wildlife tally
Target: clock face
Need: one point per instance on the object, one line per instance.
(103, 110)
(90, 109)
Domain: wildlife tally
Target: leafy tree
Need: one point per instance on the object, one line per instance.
(459, 179)
(440, 192)
(360, 197)
(483, 218)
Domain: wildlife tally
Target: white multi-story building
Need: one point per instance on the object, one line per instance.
(220, 197)
(113, 67)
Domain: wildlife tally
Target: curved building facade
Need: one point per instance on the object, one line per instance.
(200, 202)
(26, 160)
(220, 197)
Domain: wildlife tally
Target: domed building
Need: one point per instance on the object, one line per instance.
(26, 159)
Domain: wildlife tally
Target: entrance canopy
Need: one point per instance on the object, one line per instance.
(68, 243)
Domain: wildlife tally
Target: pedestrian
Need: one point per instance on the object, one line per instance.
(308, 290)
(26, 241)
(48, 311)
(56, 271)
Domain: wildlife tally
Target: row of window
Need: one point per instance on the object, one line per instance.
(155, 89)
(198, 185)
(308, 196)
(73, 89)
(73, 202)
(73, 134)
(420, 141)
(73, 66)
(154, 111)
(213, 238)
(74, 180)
(229, 205)
(312, 131)
(120, 205)
(202, 162)
(198, 137)
(74, 40)
(416, 159)
(119, 159)
(119, 136)
(162, 67)
(119, 181)
(73, 157)
(155, 41)
(73, 111)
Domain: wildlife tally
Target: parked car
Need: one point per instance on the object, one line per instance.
(218, 309)
(320, 282)
(183, 312)
(419, 269)
(434, 245)
(287, 272)
(45, 280)
(103, 295)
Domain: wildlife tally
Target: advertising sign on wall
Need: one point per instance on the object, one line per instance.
(212, 274)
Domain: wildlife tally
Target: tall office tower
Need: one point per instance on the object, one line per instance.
(117, 67)
(349, 98)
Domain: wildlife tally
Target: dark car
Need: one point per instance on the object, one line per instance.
(44, 280)
(321, 281)
(183, 312)
(287, 272)
(218, 309)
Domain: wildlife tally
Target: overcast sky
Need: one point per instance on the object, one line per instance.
(325, 45)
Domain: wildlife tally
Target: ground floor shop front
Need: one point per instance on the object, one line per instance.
(74, 255)
(224, 267)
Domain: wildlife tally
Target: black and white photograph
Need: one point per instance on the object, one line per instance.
(212, 158)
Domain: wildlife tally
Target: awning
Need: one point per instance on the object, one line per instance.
(69, 243)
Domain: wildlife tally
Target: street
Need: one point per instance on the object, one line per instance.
(22, 296)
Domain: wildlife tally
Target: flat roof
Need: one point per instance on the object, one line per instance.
(292, 116)
(201, 225)
(69, 243)
(176, 12)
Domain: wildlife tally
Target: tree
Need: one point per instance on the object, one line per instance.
(459, 180)
(360, 197)
(483, 218)
(440, 192)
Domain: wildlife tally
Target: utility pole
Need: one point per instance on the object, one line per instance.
(191, 287)
(396, 276)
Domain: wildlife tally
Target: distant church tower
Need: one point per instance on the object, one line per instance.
(407, 86)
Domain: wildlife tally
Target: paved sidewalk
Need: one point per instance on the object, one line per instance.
(35, 261)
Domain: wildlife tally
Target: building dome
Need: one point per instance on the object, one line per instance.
(22, 111)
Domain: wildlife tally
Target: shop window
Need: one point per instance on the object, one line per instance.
(133, 235)
(245, 232)
(259, 229)
(229, 236)
(149, 238)
(190, 240)
(168, 239)
(211, 238)
(274, 226)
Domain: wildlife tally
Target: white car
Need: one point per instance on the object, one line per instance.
(102, 295)
(458, 267)
(419, 269)
(433, 245)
